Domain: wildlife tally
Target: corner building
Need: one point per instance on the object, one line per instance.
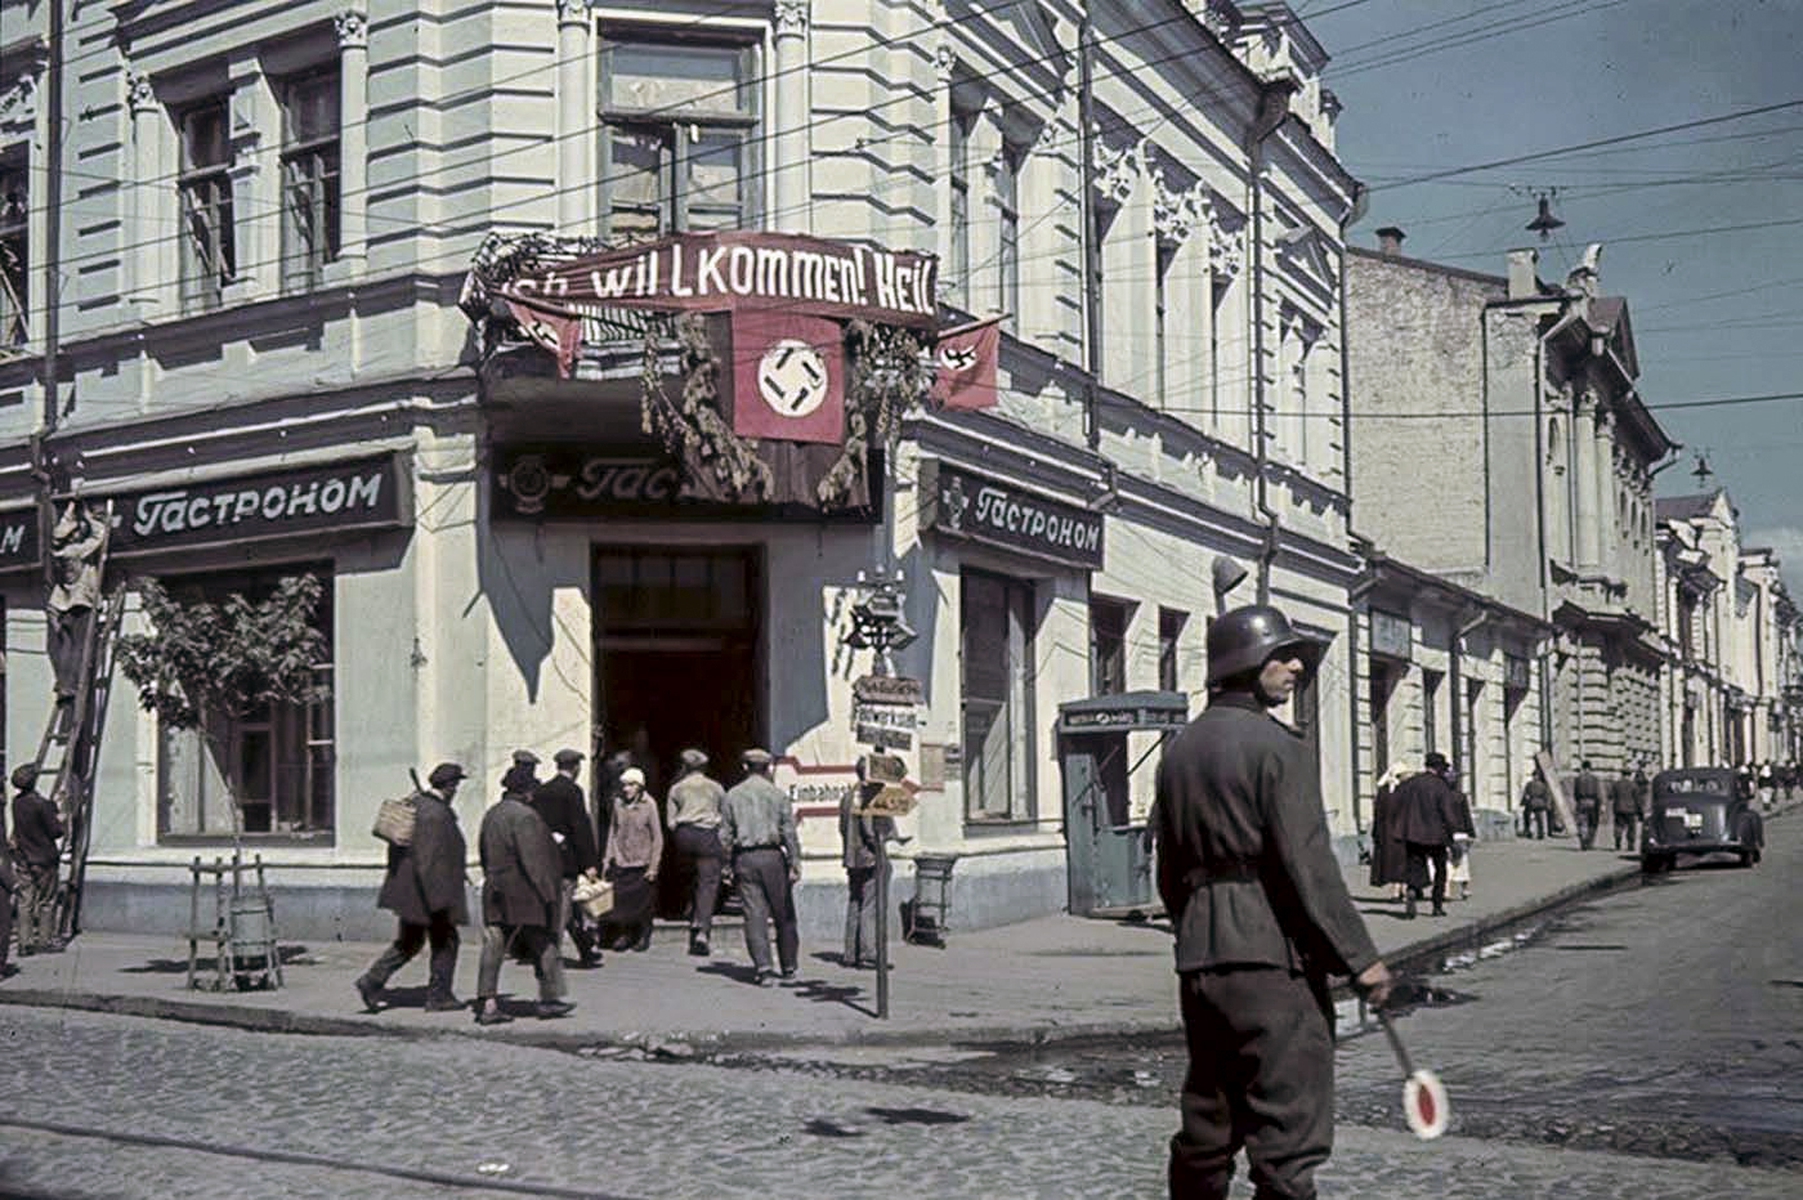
(269, 213)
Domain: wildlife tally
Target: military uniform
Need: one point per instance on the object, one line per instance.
(1536, 803)
(1262, 919)
(1587, 798)
(1624, 796)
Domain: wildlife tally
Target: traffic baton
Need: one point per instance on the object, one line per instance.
(1424, 1103)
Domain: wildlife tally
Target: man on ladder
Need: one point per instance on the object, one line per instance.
(76, 543)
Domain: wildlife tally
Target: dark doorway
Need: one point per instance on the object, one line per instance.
(676, 640)
(676, 661)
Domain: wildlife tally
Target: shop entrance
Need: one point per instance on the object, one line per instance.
(676, 656)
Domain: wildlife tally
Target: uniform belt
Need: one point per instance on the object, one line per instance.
(749, 849)
(1226, 870)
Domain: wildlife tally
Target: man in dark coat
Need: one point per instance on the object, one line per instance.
(1262, 919)
(757, 832)
(1536, 803)
(37, 828)
(863, 838)
(1427, 817)
(1389, 856)
(560, 802)
(522, 886)
(424, 890)
(1587, 799)
(1624, 814)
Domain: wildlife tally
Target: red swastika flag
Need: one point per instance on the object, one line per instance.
(788, 376)
(964, 366)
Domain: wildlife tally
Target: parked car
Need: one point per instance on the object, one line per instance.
(1700, 810)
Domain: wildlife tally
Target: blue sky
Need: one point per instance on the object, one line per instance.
(1716, 314)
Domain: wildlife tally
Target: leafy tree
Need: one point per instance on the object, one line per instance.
(205, 665)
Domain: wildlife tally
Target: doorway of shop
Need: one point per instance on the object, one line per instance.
(677, 662)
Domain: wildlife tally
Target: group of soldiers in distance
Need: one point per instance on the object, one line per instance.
(543, 857)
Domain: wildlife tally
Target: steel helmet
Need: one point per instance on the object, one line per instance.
(1245, 639)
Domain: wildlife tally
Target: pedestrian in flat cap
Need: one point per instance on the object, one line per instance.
(1427, 817)
(37, 828)
(757, 831)
(424, 890)
(1587, 799)
(693, 811)
(1262, 918)
(560, 802)
(635, 848)
(862, 838)
(522, 889)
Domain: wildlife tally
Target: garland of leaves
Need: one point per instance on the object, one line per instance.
(888, 375)
(691, 427)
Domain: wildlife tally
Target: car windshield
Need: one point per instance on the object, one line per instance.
(1693, 789)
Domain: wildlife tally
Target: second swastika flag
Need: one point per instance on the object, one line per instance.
(788, 377)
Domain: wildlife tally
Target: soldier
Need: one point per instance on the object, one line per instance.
(424, 890)
(1427, 816)
(1536, 803)
(1624, 804)
(1587, 797)
(757, 831)
(36, 828)
(559, 801)
(1262, 919)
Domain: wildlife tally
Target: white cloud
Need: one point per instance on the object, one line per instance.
(1787, 542)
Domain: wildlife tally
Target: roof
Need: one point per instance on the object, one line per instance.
(1684, 508)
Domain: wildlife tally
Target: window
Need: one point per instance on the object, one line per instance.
(310, 178)
(1160, 310)
(958, 269)
(1108, 645)
(15, 243)
(1430, 700)
(1007, 258)
(679, 137)
(278, 761)
(1170, 636)
(209, 240)
(996, 617)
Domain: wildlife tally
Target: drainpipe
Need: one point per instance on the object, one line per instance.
(1458, 696)
(1354, 598)
(1355, 212)
(1092, 249)
(53, 225)
(1273, 108)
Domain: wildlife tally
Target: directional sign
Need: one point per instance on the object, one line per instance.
(888, 715)
(884, 768)
(890, 801)
(888, 689)
(883, 735)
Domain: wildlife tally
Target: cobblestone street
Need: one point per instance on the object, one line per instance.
(167, 1110)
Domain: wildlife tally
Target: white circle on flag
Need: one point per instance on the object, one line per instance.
(792, 378)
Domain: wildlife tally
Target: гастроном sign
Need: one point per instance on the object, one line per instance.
(717, 272)
(967, 505)
(362, 494)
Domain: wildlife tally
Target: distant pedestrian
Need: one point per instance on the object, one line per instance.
(1389, 853)
(1624, 811)
(37, 828)
(1587, 799)
(635, 849)
(1536, 804)
(424, 890)
(560, 802)
(522, 892)
(607, 790)
(1643, 795)
(9, 886)
(1262, 919)
(693, 811)
(862, 838)
(1464, 839)
(1427, 817)
(757, 831)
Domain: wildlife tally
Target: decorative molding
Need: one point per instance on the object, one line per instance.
(140, 93)
(28, 63)
(944, 60)
(791, 18)
(1178, 214)
(353, 30)
(1217, 16)
(1117, 172)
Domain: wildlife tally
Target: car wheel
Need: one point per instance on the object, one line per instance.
(1655, 864)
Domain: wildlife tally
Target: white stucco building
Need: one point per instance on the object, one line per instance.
(268, 211)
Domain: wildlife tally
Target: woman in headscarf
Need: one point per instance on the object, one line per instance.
(1389, 853)
(635, 847)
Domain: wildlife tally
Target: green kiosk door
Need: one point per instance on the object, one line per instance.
(1108, 854)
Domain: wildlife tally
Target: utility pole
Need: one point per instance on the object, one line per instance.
(1092, 242)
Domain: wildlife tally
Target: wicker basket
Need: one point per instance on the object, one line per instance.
(594, 896)
(394, 820)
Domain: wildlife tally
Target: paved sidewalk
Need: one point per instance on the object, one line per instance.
(1054, 977)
